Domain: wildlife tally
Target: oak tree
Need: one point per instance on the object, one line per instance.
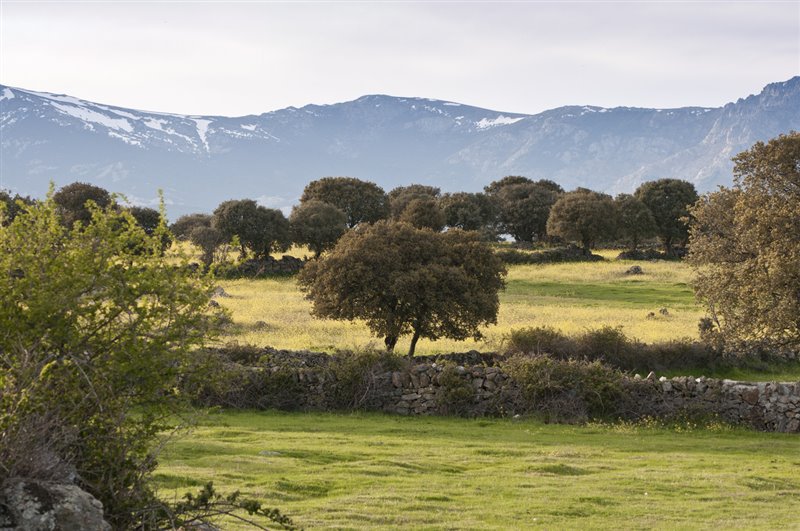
(745, 246)
(583, 216)
(669, 201)
(361, 201)
(317, 224)
(636, 222)
(401, 280)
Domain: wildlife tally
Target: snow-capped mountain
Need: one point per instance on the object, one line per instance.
(200, 161)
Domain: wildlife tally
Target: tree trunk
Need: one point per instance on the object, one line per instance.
(413, 346)
(668, 246)
(390, 342)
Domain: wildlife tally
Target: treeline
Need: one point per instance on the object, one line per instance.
(529, 211)
(526, 210)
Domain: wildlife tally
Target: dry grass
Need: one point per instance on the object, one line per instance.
(571, 297)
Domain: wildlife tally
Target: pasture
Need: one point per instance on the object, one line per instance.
(356, 471)
(572, 297)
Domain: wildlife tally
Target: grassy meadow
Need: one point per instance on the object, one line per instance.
(373, 471)
(572, 297)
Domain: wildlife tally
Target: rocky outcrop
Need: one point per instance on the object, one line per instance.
(28, 505)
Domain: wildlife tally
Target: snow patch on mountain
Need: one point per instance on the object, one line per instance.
(202, 130)
(88, 115)
(7, 94)
(487, 123)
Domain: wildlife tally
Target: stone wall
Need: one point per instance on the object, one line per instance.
(474, 384)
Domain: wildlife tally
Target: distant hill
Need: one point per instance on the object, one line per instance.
(200, 161)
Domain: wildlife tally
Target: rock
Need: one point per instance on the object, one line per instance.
(662, 379)
(663, 311)
(424, 380)
(219, 292)
(28, 505)
(634, 270)
(213, 304)
(651, 376)
(397, 379)
(260, 325)
(750, 396)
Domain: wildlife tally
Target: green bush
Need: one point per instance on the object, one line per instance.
(571, 253)
(565, 390)
(96, 329)
(540, 340)
(611, 346)
(354, 376)
(456, 395)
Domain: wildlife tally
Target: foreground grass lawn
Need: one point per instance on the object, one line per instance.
(372, 471)
(572, 297)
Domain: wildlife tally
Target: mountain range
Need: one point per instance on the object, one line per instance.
(200, 161)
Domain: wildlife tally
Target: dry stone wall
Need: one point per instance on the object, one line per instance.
(473, 384)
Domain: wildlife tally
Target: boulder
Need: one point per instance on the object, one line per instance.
(29, 505)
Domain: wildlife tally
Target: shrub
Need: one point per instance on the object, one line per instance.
(456, 395)
(540, 340)
(611, 346)
(570, 253)
(96, 327)
(354, 376)
(565, 390)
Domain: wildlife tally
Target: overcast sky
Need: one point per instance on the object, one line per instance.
(237, 58)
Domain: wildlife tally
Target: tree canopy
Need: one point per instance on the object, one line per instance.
(400, 197)
(583, 216)
(71, 201)
(317, 224)
(745, 246)
(635, 220)
(468, 211)
(494, 187)
(401, 280)
(669, 201)
(260, 229)
(361, 201)
(524, 209)
(424, 213)
(185, 224)
(12, 205)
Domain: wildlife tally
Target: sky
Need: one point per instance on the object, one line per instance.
(248, 57)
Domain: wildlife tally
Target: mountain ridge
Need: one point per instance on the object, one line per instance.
(200, 160)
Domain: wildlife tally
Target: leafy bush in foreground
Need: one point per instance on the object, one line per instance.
(95, 328)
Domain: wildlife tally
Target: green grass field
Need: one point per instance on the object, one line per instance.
(386, 472)
(572, 297)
